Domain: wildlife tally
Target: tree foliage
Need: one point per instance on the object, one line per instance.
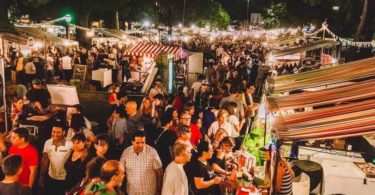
(10, 9)
(274, 15)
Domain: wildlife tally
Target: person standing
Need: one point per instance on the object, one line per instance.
(175, 180)
(12, 168)
(200, 173)
(55, 153)
(133, 122)
(66, 66)
(75, 165)
(109, 181)
(30, 71)
(143, 167)
(165, 140)
(185, 119)
(29, 154)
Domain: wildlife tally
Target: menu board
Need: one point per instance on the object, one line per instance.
(80, 72)
(63, 95)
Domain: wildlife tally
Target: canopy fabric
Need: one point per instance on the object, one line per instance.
(13, 38)
(116, 34)
(343, 121)
(30, 31)
(354, 91)
(153, 50)
(346, 72)
(303, 48)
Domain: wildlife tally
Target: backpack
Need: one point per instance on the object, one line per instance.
(79, 188)
(95, 187)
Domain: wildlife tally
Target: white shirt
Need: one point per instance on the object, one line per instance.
(175, 180)
(215, 126)
(66, 63)
(233, 120)
(195, 87)
(57, 157)
(30, 68)
(50, 63)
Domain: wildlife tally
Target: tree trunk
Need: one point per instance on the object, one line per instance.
(361, 25)
(117, 21)
(5, 24)
(365, 32)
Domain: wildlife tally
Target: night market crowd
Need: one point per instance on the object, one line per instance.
(182, 143)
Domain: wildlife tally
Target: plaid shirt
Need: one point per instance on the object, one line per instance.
(140, 170)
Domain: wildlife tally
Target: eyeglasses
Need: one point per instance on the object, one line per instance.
(186, 118)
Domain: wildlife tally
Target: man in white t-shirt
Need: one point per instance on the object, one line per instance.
(55, 153)
(196, 86)
(175, 180)
(66, 65)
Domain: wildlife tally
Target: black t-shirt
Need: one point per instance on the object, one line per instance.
(14, 189)
(152, 133)
(197, 169)
(165, 140)
(40, 95)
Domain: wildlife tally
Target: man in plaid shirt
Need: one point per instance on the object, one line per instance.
(143, 167)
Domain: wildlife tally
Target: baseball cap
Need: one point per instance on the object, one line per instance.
(205, 82)
(36, 82)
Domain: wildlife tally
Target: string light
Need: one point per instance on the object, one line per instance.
(343, 40)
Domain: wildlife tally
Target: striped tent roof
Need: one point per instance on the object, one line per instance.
(337, 122)
(153, 50)
(349, 71)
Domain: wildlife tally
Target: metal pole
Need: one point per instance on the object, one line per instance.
(2, 69)
(67, 31)
(183, 14)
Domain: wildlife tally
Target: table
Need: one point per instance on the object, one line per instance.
(319, 154)
(241, 182)
(103, 75)
(345, 178)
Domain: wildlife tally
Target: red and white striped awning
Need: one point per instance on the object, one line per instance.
(153, 50)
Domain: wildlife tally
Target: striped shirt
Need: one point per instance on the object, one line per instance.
(286, 184)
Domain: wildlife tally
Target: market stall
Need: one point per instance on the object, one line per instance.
(9, 41)
(292, 57)
(330, 112)
(146, 58)
(44, 38)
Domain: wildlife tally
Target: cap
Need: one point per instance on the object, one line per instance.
(205, 82)
(36, 82)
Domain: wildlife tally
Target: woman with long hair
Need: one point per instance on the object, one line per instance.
(75, 164)
(78, 125)
(284, 177)
(114, 96)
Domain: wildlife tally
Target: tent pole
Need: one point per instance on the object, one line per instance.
(2, 66)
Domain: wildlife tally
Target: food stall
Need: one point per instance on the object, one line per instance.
(11, 41)
(310, 119)
(43, 38)
(324, 52)
(147, 59)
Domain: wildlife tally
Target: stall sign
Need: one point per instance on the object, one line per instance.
(80, 72)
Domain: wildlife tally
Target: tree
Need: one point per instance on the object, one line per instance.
(15, 8)
(274, 15)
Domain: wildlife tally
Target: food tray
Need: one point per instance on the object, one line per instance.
(367, 168)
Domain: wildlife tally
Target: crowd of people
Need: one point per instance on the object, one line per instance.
(181, 143)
